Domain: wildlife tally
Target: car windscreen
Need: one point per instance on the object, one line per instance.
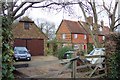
(22, 52)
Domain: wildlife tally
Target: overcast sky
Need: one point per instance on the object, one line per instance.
(56, 17)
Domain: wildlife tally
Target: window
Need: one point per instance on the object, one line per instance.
(103, 37)
(91, 28)
(76, 47)
(100, 29)
(63, 36)
(75, 36)
(85, 36)
(26, 25)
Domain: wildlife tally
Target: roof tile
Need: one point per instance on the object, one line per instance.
(74, 26)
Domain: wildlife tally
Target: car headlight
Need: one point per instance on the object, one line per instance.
(28, 55)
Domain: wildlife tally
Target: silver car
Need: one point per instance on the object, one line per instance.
(96, 51)
(21, 53)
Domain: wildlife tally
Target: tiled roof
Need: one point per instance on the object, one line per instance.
(33, 32)
(26, 19)
(106, 30)
(74, 27)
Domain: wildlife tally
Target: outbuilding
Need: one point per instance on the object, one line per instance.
(27, 34)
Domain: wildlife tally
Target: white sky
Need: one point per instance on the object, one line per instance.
(57, 17)
(53, 16)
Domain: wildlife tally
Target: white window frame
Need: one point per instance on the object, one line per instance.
(91, 27)
(85, 36)
(100, 29)
(75, 36)
(103, 37)
(76, 47)
(63, 36)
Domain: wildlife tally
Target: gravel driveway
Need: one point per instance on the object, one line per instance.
(41, 66)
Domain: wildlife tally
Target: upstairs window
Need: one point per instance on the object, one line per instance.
(75, 36)
(26, 25)
(103, 37)
(85, 37)
(100, 29)
(63, 36)
(91, 27)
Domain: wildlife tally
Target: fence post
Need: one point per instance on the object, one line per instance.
(105, 65)
(74, 63)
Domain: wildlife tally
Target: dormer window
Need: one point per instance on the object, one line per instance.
(26, 25)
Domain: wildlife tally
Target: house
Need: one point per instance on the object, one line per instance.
(71, 33)
(27, 34)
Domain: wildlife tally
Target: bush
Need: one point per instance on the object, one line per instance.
(52, 46)
(49, 51)
(113, 55)
(60, 52)
(89, 47)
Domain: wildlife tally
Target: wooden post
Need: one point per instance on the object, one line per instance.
(73, 75)
(105, 65)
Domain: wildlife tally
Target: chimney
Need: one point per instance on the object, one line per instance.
(90, 19)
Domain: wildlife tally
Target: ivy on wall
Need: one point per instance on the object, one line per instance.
(7, 52)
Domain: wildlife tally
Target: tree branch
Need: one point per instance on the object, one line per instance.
(18, 8)
(116, 26)
(54, 3)
(115, 8)
(106, 9)
(110, 6)
(100, 11)
(117, 20)
(80, 5)
(14, 3)
(23, 11)
(46, 5)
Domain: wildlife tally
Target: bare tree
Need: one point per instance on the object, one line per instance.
(111, 11)
(91, 8)
(15, 10)
(48, 28)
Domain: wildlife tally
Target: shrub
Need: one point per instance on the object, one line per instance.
(113, 55)
(60, 52)
(52, 46)
(49, 51)
(89, 47)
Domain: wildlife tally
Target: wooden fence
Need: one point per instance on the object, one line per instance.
(85, 69)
